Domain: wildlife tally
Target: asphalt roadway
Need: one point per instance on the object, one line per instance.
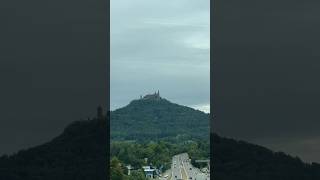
(182, 169)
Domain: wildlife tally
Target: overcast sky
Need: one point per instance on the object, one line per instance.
(266, 68)
(157, 45)
(52, 68)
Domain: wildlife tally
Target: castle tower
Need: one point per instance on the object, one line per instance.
(99, 112)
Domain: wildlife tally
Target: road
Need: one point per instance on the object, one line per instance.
(182, 169)
(176, 168)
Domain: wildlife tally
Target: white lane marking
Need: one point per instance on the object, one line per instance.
(185, 170)
(180, 173)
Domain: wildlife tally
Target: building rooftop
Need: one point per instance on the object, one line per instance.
(155, 96)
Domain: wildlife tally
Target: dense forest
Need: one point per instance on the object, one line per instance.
(79, 153)
(152, 119)
(158, 153)
(119, 171)
(234, 159)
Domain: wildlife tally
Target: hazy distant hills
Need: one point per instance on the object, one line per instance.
(235, 160)
(156, 118)
(79, 153)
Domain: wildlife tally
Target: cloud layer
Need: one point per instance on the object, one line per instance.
(267, 66)
(157, 45)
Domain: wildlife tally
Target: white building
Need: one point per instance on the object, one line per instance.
(148, 171)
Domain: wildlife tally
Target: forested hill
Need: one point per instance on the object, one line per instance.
(156, 118)
(79, 153)
(241, 160)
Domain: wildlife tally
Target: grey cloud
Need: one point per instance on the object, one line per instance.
(52, 68)
(157, 45)
(266, 69)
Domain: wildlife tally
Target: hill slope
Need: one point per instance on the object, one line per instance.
(241, 160)
(78, 154)
(154, 118)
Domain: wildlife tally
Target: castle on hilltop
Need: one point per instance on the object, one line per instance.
(155, 96)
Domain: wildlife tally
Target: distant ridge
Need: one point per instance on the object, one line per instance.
(233, 159)
(79, 153)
